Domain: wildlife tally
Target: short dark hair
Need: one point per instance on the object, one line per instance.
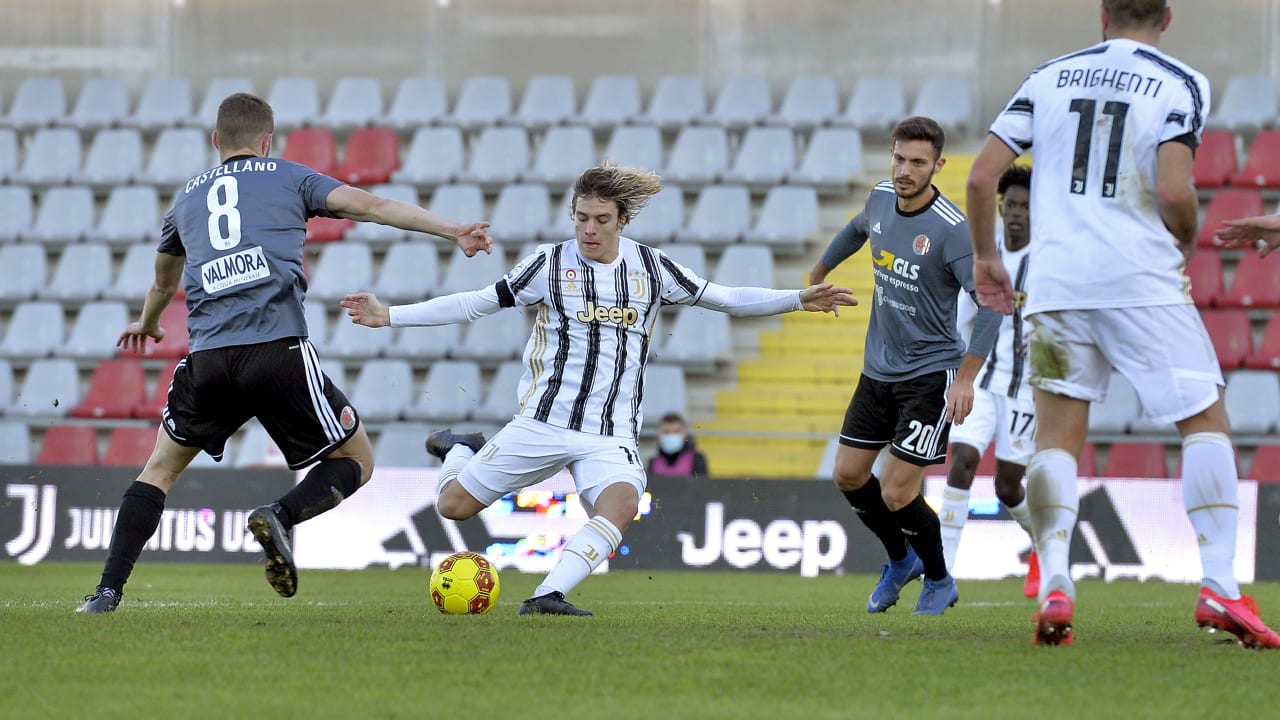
(1015, 176)
(921, 128)
(673, 417)
(1135, 13)
(242, 119)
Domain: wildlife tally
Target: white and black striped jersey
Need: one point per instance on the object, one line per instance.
(1007, 369)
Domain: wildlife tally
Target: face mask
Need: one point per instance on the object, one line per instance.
(670, 444)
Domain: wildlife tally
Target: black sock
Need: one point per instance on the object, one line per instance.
(871, 510)
(920, 524)
(136, 522)
(328, 483)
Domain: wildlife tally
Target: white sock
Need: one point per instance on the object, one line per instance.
(593, 544)
(1211, 496)
(454, 461)
(1054, 502)
(953, 515)
(1022, 513)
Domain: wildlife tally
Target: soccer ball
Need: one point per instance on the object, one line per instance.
(464, 583)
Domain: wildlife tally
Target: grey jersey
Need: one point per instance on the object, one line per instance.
(242, 227)
(921, 260)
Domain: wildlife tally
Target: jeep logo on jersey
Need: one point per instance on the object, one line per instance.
(921, 245)
(234, 269)
(899, 266)
(624, 316)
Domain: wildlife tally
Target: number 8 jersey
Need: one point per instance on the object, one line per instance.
(242, 227)
(1095, 119)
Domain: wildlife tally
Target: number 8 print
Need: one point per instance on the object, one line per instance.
(219, 208)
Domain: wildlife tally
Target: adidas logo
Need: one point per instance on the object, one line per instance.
(876, 228)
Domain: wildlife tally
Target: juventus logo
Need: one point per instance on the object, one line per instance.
(591, 554)
(639, 284)
(39, 513)
(488, 451)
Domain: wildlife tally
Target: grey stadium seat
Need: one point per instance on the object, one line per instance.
(65, 215)
(39, 102)
(499, 156)
(745, 265)
(700, 156)
(53, 157)
(693, 257)
(947, 99)
(114, 158)
(547, 100)
(179, 154)
(8, 153)
(409, 272)
(664, 392)
(215, 92)
(134, 274)
(435, 157)
(810, 101)
(50, 389)
(473, 273)
(720, 216)
(463, 202)
(295, 100)
(698, 340)
(560, 226)
(419, 100)
(660, 219)
(15, 443)
(36, 329)
(501, 401)
(451, 392)
(1253, 401)
(787, 218)
(766, 158)
(350, 341)
(355, 102)
(1118, 410)
(612, 100)
(425, 343)
(483, 100)
(377, 233)
(635, 146)
(520, 213)
(743, 100)
(6, 386)
(832, 162)
(318, 318)
(677, 100)
(494, 339)
(342, 268)
(96, 328)
(877, 104)
(25, 270)
(17, 212)
(83, 273)
(564, 153)
(132, 215)
(1248, 104)
(103, 102)
(401, 445)
(165, 102)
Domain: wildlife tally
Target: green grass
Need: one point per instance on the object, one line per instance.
(215, 642)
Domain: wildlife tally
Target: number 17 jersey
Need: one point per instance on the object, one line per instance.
(1096, 119)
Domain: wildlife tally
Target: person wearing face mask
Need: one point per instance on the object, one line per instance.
(677, 453)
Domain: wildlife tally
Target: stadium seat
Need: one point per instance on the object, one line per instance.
(129, 446)
(174, 345)
(39, 102)
(660, 219)
(1256, 284)
(409, 273)
(370, 157)
(499, 156)
(1117, 412)
(401, 445)
(6, 385)
(1227, 204)
(520, 213)
(335, 371)
(435, 157)
(1267, 356)
(1247, 104)
(355, 102)
(134, 274)
(472, 273)
(698, 340)
(947, 99)
(69, 445)
(314, 147)
(877, 104)
(116, 388)
(50, 388)
(317, 325)
(564, 153)
(744, 100)
(8, 153)
(1253, 401)
(1205, 272)
(810, 101)
(179, 155)
(114, 158)
(832, 162)
(350, 341)
(483, 100)
(103, 102)
(745, 265)
(165, 102)
(1262, 164)
(699, 157)
(25, 272)
(635, 146)
(52, 158)
(692, 257)
(215, 92)
(432, 342)
(1215, 162)
(612, 100)
(325, 230)
(767, 157)
(494, 339)
(548, 100)
(1265, 467)
(65, 216)
(35, 330)
(720, 216)
(15, 443)
(787, 218)
(451, 392)
(295, 100)
(383, 390)
(501, 397)
(132, 215)
(1136, 460)
(1229, 330)
(664, 392)
(677, 101)
(83, 273)
(150, 408)
(342, 268)
(419, 100)
(561, 226)
(463, 202)
(378, 234)
(256, 450)
(16, 212)
(1087, 465)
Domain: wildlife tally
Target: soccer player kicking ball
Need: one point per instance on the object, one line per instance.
(598, 297)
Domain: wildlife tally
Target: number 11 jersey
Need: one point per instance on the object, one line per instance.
(1095, 119)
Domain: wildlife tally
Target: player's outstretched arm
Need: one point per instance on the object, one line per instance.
(825, 297)
(356, 204)
(365, 309)
(1262, 232)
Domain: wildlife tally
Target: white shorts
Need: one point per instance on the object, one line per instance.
(1011, 421)
(1162, 350)
(527, 451)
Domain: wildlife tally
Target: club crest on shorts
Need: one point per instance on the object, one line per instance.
(347, 417)
(921, 245)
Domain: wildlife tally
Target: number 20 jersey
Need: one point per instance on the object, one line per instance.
(242, 226)
(1096, 119)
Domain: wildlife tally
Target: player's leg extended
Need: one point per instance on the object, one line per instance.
(955, 498)
(1010, 492)
(137, 520)
(901, 486)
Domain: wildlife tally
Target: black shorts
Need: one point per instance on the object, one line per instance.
(910, 414)
(215, 392)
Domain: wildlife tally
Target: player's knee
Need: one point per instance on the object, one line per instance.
(1009, 489)
(455, 503)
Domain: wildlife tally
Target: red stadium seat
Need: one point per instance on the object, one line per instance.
(69, 445)
(129, 446)
(1267, 356)
(149, 408)
(313, 147)
(1262, 164)
(1265, 467)
(176, 340)
(1256, 284)
(116, 387)
(1227, 204)
(1231, 335)
(371, 155)
(1136, 460)
(1216, 162)
(1088, 466)
(1205, 271)
(323, 230)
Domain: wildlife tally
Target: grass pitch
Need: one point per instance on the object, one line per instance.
(215, 642)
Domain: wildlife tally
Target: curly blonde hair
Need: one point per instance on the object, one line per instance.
(629, 188)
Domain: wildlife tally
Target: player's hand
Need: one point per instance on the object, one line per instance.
(825, 297)
(135, 337)
(818, 273)
(959, 401)
(473, 238)
(364, 309)
(991, 282)
(1262, 232)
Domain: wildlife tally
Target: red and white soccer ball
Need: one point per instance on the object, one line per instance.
(465, 583)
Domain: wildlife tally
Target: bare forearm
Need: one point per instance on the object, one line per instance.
(157, 299)
(1180, 214)
(407, 217)
(969, 367)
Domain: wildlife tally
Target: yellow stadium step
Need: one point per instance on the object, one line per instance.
(775, 371)
(743, 461)
(781, 403)
(808, 422)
